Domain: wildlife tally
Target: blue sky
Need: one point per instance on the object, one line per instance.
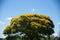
(13, 8)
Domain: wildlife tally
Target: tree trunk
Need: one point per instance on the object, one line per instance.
(31, 38)
(36, 38)
(48, 37)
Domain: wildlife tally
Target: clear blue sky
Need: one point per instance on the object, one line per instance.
(13, 8)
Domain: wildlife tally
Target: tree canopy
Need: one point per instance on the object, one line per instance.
(33, 25)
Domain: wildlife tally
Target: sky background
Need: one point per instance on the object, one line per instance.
(14, 8)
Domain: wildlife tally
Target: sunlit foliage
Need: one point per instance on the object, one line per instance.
(31, 25)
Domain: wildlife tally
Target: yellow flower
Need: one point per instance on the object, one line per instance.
(13, 30)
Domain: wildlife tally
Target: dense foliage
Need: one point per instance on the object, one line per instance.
(32, 25)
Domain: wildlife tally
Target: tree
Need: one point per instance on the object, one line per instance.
(32, 25)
